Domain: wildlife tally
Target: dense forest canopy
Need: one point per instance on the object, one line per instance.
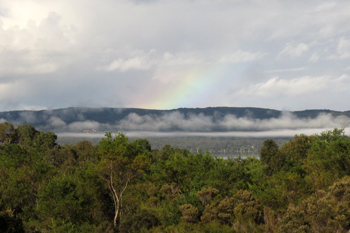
(120, 185)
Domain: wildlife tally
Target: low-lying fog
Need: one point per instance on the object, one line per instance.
(176, 124)
(286, 124)
(250, 134)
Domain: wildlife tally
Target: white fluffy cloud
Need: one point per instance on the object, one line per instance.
(37, 48)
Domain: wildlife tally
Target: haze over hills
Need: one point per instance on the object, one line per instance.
(211, 119)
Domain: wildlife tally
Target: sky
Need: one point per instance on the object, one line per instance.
(166, 54)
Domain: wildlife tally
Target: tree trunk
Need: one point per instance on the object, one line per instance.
(117, 199)
(116, 215)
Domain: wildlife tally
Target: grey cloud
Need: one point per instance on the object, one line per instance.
(58, 54)
(241, 56)
(343, 49)
(296, 86)
(294, 51)
(144, 1)
(286, 70)
(154, 60)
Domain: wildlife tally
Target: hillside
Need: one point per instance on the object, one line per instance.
(182, 119)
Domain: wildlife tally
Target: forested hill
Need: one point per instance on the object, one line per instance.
(130, 118)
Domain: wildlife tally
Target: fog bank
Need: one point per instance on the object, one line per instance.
(250, 134)
(176, 121)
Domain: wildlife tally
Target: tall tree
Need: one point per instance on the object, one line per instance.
(120, 163)
(268, 153)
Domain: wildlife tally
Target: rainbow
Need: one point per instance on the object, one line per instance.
(194, 88)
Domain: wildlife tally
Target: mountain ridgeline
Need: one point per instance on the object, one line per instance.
(78, 119)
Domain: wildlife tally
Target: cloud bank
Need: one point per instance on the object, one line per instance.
(198, 123)
(202, 123)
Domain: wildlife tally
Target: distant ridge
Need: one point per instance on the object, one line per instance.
(59, 119)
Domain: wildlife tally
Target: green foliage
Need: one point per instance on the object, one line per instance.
(125, 186)
(13, 156)
(328, 158)
(45, 140)
(190, 213)
(120, 163)
(297, 148)
(26, 134)
(221, 211)
(142, 219)
(207, 194)
(248, 208)
(325, 212)
(69, 198)
(268, 153)
(7, 133)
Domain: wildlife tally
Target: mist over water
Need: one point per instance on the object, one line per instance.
(197, 141)
(240, 134)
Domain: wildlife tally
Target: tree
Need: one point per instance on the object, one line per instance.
(328, 158)
(45, 140)
(7, 133)
(324, 212)
(119, 165)
(26, 134)
(267, 153)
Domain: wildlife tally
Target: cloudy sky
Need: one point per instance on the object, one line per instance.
(164, 54)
